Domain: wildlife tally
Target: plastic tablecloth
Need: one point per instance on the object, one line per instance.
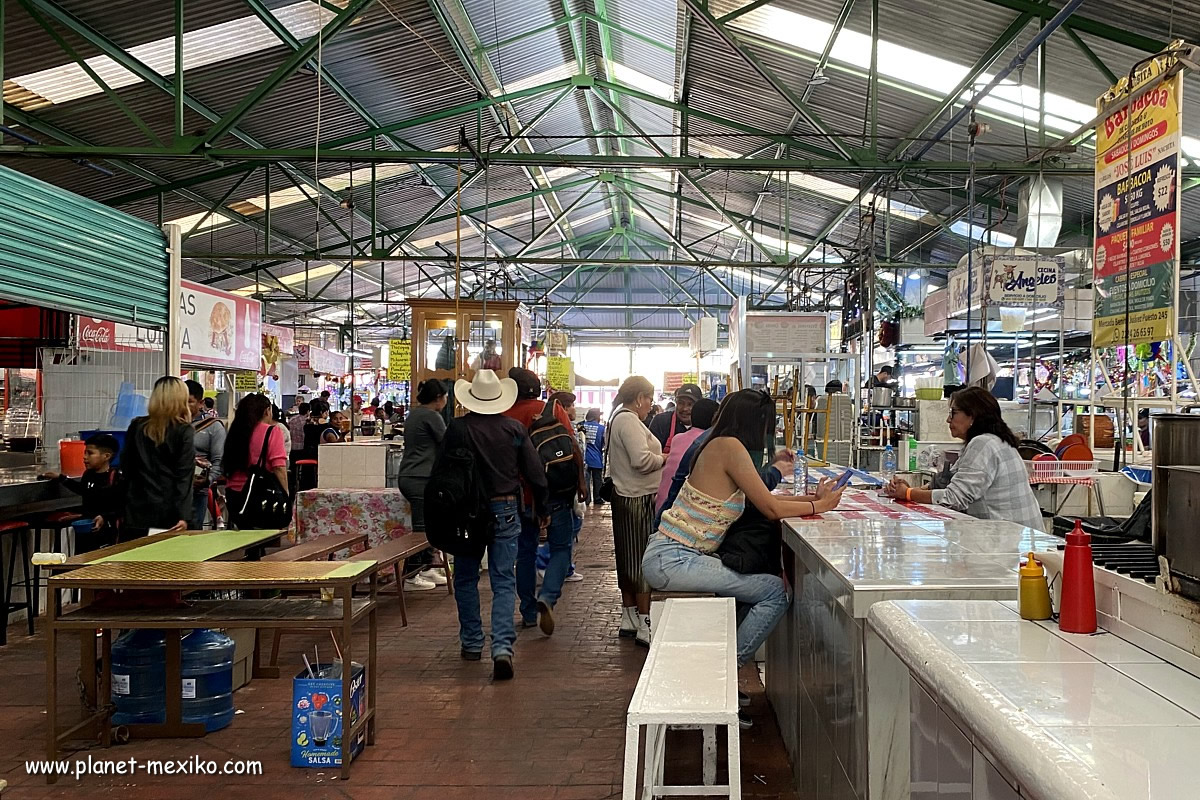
(383, 514)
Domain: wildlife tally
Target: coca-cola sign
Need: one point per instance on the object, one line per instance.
(100, 334)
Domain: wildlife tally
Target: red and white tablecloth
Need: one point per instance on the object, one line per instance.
(382, 514)
(860, 504)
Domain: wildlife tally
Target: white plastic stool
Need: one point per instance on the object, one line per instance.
(689, 680)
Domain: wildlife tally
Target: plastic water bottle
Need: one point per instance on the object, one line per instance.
(800, 474)
(889, 463)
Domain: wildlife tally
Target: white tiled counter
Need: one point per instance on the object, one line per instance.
(987, 706)
(817, 658)
(356, 465)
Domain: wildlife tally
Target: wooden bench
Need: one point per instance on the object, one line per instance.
(392, 555)
(689, 680)
(318, 549)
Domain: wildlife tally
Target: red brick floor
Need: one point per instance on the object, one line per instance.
(445, 730)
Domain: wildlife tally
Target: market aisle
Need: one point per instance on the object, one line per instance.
(446, 731)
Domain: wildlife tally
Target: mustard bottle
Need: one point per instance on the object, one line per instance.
(1033, 601)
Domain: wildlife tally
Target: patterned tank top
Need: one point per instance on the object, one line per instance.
(700, 521)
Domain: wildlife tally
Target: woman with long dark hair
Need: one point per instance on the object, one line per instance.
(635, 464)
(251, 435)
(989, 479)
(159, 463)
(724, 478)
(423, 434)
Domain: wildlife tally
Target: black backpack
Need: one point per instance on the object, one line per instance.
(557, 447)
(458, 519)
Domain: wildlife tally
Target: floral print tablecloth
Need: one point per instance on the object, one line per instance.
(383, 514)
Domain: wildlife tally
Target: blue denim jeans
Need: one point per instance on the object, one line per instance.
(671, 566)
(561, 538)
(502, 553)
(200, 507)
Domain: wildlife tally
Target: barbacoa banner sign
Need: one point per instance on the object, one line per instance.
(1024, 281)
(1137, 209)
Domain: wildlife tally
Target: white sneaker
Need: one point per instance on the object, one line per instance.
(643, 631)
(541, 573)
(629, 624)
(418, 584)
(435, 575)
(574, 576)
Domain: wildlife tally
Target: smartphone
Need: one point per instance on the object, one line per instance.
(843, 479)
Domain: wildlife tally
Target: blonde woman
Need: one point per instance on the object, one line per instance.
(635, 464)
(159, 463)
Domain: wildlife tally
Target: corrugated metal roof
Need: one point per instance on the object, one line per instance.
(403, 70)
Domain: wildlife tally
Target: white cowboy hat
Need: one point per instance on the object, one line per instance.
(486, 394)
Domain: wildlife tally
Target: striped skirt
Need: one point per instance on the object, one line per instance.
(633, 524)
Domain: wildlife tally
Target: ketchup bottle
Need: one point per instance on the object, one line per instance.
(1077, 607)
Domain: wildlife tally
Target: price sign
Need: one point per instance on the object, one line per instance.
(245, 381)
(399, 359)
(559, 375)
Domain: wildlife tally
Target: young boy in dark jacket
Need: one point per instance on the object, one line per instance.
(100, 489)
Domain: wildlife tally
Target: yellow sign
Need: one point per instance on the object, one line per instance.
(245, 381)
(559, 375)
(691, 377)
(399, 359)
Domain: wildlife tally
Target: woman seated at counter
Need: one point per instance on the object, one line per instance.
(989, 480)
(679, 557)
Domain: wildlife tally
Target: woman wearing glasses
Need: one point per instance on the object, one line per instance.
(724, 477)
(989, 480)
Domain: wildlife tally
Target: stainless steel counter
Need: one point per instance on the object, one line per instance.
(817, 659)
(21, 493)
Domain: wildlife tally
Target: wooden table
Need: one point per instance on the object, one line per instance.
(342, 612)
(185, 546)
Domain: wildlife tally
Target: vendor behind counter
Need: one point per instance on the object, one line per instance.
(989, 480)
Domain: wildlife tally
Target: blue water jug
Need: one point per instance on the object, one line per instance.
(139, 678)
(207, 658)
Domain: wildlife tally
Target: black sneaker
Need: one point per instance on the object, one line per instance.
(471, 655)
(743, 700)
(529, 623)
(744, 721)
(545, 618)
(502, 668)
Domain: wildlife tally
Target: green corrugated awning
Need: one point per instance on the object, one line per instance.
(63, 251)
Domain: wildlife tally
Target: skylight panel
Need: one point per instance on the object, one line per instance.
(639, 80)
(558, 73)
(213, 44)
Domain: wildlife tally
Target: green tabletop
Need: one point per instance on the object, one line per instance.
(196, 547)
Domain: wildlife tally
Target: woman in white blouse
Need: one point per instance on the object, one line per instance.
(989, 480)
(635, 463)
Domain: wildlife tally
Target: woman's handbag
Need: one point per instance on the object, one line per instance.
(607, 490)
(265, 503)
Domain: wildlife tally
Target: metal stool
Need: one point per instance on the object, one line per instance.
(54, 523)
(19, 529)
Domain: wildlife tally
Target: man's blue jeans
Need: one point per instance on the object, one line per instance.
(561, 538)
(671, 565)
(560, 517)
(502, 553)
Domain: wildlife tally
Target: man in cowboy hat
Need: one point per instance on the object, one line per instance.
(504, 455)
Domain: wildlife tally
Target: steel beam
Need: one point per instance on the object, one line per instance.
(1045, 11)
(125, 59)
(781, 88)
(535, 159)
(284, 71)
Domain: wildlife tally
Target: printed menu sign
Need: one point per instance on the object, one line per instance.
(1137, 209)
(399, 359)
